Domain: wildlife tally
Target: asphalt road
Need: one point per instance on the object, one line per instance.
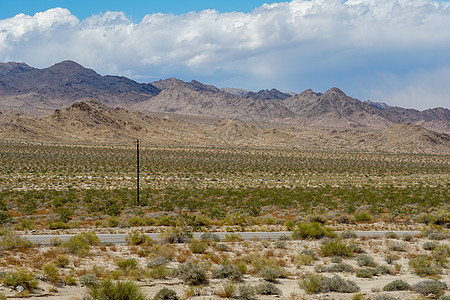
(119, 238)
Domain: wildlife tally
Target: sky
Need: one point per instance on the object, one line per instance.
(392, 51)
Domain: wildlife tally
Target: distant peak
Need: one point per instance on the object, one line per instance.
(334, 90)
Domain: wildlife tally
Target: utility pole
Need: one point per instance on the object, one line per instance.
(137, 172)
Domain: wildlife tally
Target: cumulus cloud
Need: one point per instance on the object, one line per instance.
(290, 45)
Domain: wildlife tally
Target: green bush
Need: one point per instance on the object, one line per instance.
(272, 273)
(312, 231)
(364, 260)
(52, 273)
(166, 294)
(127, 264)
(197, 246)
(10, 240)
(267, 288)
(210, 237)
(228, 271)
(174, 235)
(159, 272)
(89, 280)
(363, 216)
(136, 238)
(366, 272)
(397, 285)
(222, 247)
(80, 244)
(385, 270)
(303, 260)
(429, 246)
(427, 287)
(121, 290)
(348, 234)
(246, 292)
(314, 284)
(335, 268)
(58, 225)
(385, 297)
(158, 261)
(191, 273)
(336, 248)
(424, 266)
(21, 277)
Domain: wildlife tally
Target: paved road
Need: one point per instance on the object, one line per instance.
(119, 238)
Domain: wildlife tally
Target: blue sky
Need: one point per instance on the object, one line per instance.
(393, 51)
(134, 10)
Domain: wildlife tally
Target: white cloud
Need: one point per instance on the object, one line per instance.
(286, 44)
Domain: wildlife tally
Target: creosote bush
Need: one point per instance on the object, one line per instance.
(315, 283)
(366, 272)
(21, 277)
(166, 294)
(424, 266)
(336, 247)
(397, 285)
(229, 271)
(312, 231)
(335, 268)
(80, 244)
(267, 288)
(364, 260)
(427, 287)
(191, 273)
(137, 238)
(10, 240)
(121, 290)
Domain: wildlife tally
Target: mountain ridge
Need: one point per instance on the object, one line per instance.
(40, 91)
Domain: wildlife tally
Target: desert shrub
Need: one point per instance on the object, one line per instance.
(80, 244)
(280, 244)
(385, 270)
(88, 279)
(228, 271)
(159, 272)
(21, 277)
(10, 240)
(121, 290)
(70, 280)
(408, 237)
(127, 264)
(335, 268)
(246, 292)
(58, 225)
(311, 253)
(210, 237)
(336, 259)
(166, 294)
(397, 285)
(52, 273)
(62, 261)
(267, 288)
(158, 261)
(233, 237)
(314, 284)
(363, 216)
(441, 254)
(2, 296)
(396, 246)
(303, 260)
(222, 247)
(424, 266)
(311, 231)
(366, 272)
(391, 235)
(174, 235)
(348, 234)
(136, 238)
(364, 260)
(356, 248)
(429, 245)
(272, 273)
(197, 246)
(228, 290)
(385, 297)
(191, 273)
(390, 258)
(427, 287)
(336, 248)
(317, 219)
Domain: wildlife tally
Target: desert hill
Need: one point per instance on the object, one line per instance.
(92, 122)
(39, 92)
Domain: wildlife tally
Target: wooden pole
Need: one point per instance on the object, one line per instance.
(137, 172)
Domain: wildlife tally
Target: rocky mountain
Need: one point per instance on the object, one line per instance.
(273, 94)
(29, 89)
(92, 122)
(39, 92)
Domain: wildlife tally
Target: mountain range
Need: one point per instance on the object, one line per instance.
(33, 100)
